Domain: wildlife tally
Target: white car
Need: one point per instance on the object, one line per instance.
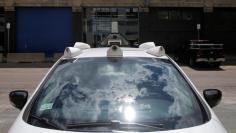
(116, 90)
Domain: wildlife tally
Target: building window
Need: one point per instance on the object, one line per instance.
(105, 12)
(163, 15)
(187, 16)
(227, 15)
(175, 15)
(132, 13)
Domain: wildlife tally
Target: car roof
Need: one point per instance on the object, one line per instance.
(127, 52)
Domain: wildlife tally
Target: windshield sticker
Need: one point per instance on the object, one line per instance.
(46, 106)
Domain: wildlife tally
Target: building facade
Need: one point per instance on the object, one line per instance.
(51, 25)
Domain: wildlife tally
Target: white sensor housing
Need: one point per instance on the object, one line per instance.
(147, 45)
(82, 45)
(114, 51)
(156, 51)
(71, 52)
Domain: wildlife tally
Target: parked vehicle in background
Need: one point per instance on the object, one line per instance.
(202, 51)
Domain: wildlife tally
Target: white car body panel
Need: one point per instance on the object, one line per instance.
(212, 126)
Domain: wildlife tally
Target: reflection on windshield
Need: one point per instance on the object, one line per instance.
(126, 89)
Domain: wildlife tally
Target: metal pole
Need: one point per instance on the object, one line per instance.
(198, 34)
(8, 26)
(8, 40)
(198, 31)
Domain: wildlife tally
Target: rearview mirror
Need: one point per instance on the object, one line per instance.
(18, 98)
(212, 96)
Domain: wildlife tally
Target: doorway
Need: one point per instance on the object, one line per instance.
(97, 24)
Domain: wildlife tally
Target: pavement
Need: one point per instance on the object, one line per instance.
(13, 78)
(223, 79)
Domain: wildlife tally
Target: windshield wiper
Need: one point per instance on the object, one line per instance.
(146, 124)
(48, 122)
(157, 126)
(114, 125)
(89, 124)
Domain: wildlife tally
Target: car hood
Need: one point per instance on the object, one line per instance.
(214, 125)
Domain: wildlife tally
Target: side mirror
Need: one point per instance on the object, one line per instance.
(18, 98)
(212, 96)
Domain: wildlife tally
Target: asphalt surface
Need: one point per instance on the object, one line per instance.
(28, 78)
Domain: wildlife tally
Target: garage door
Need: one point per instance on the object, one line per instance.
(170, 27)
(224, 28)
(47, 30)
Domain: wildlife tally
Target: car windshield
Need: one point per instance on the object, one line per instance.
(126, 94)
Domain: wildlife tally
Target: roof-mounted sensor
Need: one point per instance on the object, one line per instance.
(156, 51)
(71, 52)
(147, 45)
(152, 49)
(82, 45)
(114, 51)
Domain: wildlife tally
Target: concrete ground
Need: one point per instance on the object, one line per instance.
(28, 78)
